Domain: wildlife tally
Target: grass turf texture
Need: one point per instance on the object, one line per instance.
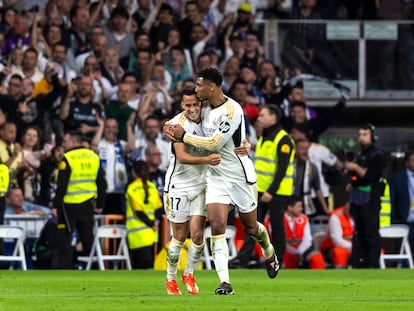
(391, 289)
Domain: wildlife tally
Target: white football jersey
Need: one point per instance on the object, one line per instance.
(224, 129)
(319, 154)
(180, 175)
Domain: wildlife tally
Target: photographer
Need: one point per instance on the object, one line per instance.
(366, 188)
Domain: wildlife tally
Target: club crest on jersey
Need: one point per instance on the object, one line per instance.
(224, 127)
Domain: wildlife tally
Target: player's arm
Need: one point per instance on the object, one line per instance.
(186, 158)
(228, 125)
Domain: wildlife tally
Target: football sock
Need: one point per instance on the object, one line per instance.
(173, 257)
(262, 237)
(220, 250)
(193, 257)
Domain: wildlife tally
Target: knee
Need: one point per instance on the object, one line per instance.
(198, 237)
(251, 229)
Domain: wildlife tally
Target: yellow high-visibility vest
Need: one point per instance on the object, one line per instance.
(4, 179)
(385, 212)
(139, 234)
(84, 164)
(266, 158)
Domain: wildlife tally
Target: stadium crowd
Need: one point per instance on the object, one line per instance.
(113, 71)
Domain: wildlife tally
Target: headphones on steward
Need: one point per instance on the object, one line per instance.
(372, 128)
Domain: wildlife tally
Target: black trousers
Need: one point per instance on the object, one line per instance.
(78, 218)
(2, 211)
(142, 258)
(276, 209)
(366, 244)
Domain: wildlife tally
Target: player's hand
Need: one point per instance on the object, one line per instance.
(244, 148)
(168, 133)
(214, 159)
(177, 131)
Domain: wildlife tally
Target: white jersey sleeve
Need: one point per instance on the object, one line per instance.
(224, 129)
(178, 175)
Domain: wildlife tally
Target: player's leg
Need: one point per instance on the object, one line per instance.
(195, 251)
(218, 205)
(248, 217)
(178, 216)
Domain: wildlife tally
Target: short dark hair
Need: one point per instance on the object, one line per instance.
(75, 136)
(274, 110)
(188, 91)
(298, 103)
(211, 74)
(293, 199)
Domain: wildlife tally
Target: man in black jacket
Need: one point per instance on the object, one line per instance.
(366, 188)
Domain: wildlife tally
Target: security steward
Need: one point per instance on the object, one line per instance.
(4, 186)
(366, 188)
(274, 165)
(80, 192)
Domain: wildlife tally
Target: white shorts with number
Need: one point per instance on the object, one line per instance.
(180, 204)
(242, 196)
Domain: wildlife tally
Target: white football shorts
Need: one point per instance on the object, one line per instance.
(180, 204)
(241, 195)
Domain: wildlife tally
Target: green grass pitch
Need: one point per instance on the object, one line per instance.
(390, 289)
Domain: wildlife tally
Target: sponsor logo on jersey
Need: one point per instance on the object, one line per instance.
(224, 127)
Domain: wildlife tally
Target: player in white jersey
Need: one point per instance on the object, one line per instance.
(232, 182)
(184, 195)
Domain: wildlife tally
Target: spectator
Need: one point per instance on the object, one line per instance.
(110, 67)
(16, 205)
(316, 126)
(192, 16)
(64, 71)
(79, 17)
(402, 194)
(99, 44)
(161, 27)
(155, 98)
(15, 61)
(29, 179)
(18, 36)
(10, 101)
(321, 157)
(338, 245)
(102, 87)
(177, 68)
(79, 99)
(29, 66)
(117, 33)
(142, 12)
(254, 95)
(120, 111)
(151, 135)
(153, 158)
(143, 201)
(134, 82)
(253, 50)
(48, 171)
(300, 252)
(10, 152)
(306, 179)
(8, 15)
(231, 72)
(113, 153)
